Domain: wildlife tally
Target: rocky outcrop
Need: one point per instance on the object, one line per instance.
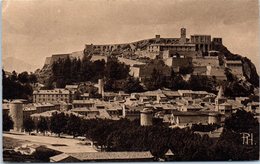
(249, 69)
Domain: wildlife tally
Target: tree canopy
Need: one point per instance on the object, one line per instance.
(7, 122)
(18, 86)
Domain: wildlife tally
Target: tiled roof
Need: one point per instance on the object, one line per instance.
(53, 91)
(198, 113)
(111, 155)
(61, 157)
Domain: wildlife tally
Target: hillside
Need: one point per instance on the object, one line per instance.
(249, 69)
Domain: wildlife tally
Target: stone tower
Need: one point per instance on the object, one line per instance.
(146, 118)
(183, 36)
(157, 38)
(16, 113)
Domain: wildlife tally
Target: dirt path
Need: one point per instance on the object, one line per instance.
(70, 145)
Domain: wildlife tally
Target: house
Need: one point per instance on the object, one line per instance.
(187, 118)
(83, 103)
(191, 108)
(132, 112)
(63, 158)
(85, 96)
(89, 112)
(72, 87)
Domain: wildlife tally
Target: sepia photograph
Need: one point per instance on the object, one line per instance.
(130, 80)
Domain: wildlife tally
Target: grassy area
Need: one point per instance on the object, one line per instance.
(11, 143)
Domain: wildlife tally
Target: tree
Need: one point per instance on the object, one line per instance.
(177, 82)
(159, 142)
(73, 125)
(42, 125)
(33, 78)
(28, 124)
(58, 123)
(7, 122)
(156, 81)
(202, 83)
(132, 85)
(183, 70)
(241, 121)
(13, 76)
(11, 87)
(23, 77)
(229, 75)
(230, 144)
(115, 70)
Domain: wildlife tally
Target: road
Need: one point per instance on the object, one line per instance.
(72, 145)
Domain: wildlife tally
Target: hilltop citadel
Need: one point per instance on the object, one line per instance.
(197, 51)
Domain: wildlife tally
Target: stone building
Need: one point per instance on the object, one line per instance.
(183, 119)
(177, 62)
(53, 96)
(236, 67)
(217, 40)
(202, 42)
(151, 48)
(146, 118)
(157, 45)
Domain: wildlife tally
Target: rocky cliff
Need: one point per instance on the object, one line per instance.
(249, 69)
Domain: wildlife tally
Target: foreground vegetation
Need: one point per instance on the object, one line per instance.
(125, 135)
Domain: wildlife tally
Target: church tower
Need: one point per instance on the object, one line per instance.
(220, 98)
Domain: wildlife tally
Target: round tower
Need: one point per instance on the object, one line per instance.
(146, 118)
(16, 113)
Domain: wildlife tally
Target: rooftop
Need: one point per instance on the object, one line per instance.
(111, 155)
(233, 62)
(53, 91)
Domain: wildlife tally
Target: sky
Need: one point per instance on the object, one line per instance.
(35, 29)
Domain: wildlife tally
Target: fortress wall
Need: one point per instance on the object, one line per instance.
(206, 61)
(129, 61)
(55, 58)
(98, 57)
(47, 61)
(78, 55)
(199, 70)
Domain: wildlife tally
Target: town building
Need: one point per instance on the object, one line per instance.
(184, 119)
(104, 157)
(53, 96)
(178, 61)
